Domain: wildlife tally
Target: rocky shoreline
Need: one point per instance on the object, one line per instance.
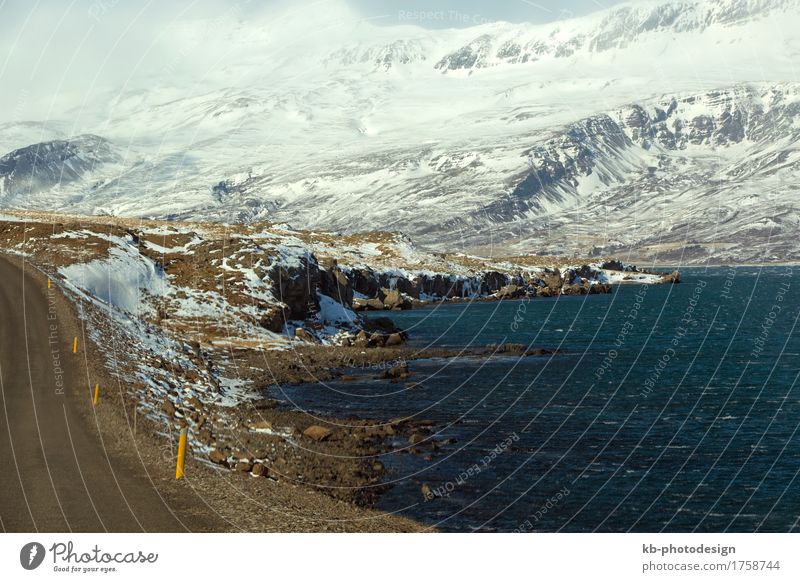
(338, 456)
(201, 324)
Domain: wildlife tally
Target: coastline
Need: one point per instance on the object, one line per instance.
(215, 498)
(199, 344)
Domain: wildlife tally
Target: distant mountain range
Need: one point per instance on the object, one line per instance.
(665, 131)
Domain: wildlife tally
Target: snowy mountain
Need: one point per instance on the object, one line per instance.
(52, 165)
(666, 130)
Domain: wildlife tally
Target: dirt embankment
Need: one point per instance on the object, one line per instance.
(138, 449)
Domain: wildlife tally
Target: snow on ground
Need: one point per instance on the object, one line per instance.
(159, 310)
(125, 280)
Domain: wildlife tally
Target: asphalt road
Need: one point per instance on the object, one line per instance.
(55, 475)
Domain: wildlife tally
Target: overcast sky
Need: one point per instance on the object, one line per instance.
(455, 13)
(51, 47)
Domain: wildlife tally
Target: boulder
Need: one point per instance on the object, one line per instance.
(377, 340)
(674, 277)
(362, 340)
(552, 278)
(396, 300)
(373, 304)
(403, 285)
(317, 433)
(510, 292)
(394, 339)
(218, 457)
(259, 470)
(243, 466)
(598, 288)
(570, 289)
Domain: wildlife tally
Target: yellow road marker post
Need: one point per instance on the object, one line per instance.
(75, 345)
(49, 283)
(181, 454)
(96, 398)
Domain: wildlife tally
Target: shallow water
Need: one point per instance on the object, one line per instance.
(669, 408)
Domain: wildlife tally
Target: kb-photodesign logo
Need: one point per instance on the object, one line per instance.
(31, 555)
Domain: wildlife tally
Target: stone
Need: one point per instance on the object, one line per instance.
(259, 470)
(218, 457)
(674, 277)
(395, 300)
(362, 340)
(598, 288)
(243, 467)
(317, 433)
(510, 292)
(372, 304)
(394, 339)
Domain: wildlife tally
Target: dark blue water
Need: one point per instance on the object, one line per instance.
(667, 408)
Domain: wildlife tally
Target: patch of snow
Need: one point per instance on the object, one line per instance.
(124, 280)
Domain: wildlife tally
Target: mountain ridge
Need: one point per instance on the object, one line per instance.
(598, 149)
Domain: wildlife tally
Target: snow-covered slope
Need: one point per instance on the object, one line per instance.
(667, 129)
